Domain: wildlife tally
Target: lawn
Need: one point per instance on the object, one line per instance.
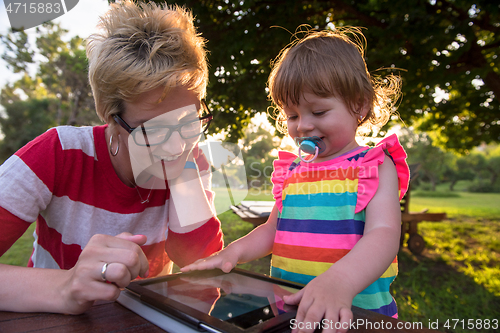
(453, 283)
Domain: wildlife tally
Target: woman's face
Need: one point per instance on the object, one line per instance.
(165, 133)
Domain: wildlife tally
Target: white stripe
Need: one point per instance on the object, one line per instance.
(77, 222)
(19, 185)
(42, 258)
(77, 138)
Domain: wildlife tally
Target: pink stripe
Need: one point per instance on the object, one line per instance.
(340, 241)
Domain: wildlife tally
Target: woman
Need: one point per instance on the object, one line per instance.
(121, 200)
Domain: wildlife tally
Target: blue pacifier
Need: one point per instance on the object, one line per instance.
(311, 145)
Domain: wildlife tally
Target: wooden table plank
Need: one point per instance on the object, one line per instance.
(106, 317)
(102, 317)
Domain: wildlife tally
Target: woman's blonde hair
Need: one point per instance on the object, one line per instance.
(331, 63)
(140, 48)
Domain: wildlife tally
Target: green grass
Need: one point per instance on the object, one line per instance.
(456, 277)
(481, 205)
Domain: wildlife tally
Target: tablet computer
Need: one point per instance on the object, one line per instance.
(214, 301)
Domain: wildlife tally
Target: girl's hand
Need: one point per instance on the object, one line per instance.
(325, 301)
(125, 261)
(225, 260)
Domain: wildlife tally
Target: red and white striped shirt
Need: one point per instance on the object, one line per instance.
(65, 181)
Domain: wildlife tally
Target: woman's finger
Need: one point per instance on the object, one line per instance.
(121, 250)
(115, 273)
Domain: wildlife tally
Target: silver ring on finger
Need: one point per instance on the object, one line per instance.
(103, 272)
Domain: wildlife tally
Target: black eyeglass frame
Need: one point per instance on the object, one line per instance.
(173, 128)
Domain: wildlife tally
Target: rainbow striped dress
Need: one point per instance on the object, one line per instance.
(322, 215)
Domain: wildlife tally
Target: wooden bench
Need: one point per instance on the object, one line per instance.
(410, 220)
(255, 212)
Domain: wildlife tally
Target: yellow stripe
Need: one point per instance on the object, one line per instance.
(300, 266)
(323, 186)
(391, 271)
(316, 268)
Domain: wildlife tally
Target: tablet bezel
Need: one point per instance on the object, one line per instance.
(193, 317)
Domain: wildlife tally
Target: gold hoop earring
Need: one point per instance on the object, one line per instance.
(110, 146)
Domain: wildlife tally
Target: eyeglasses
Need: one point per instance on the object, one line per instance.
(155, 135)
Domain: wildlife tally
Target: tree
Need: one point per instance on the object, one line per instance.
(434, 162)
(490, 163)
(57, 94)
(256, 148)
(439, 47)
(60, 75)
(23, 121)
(458, 168)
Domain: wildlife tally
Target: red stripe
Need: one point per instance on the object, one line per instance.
(45, 144)
(323, 174)
(66, 255)
(12, 228)
(309, 253)
(184, 249)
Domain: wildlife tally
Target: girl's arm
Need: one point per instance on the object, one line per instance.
(330, 294)
(257, 244)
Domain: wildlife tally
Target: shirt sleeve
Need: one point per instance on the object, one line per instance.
(368, 171)
(186, 248)
(281, 166)
(27, 182)
(12, 229)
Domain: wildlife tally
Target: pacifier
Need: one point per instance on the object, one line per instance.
(312, 145)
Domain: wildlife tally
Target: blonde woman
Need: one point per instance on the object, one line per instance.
(115, 202)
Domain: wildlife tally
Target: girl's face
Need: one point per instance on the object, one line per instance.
(327, 118)
(157, 147)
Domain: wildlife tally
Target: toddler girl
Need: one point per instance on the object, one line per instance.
(336, 223)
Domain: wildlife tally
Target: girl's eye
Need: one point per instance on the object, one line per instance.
(319, 113)
(291, 117)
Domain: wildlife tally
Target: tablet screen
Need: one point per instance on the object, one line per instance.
(237, 299)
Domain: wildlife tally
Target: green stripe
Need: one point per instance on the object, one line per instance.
(372, 301)
(322, 213)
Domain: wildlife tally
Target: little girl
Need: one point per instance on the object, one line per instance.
(336, 223)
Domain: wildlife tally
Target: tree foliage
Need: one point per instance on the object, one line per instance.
(439, 47)
(23, 121)
(435, 165)
(257, 145)
(60, 73)
(57, 93)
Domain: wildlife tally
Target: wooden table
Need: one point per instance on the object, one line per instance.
(112, 317)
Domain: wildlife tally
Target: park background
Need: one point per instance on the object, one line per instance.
(448, 119)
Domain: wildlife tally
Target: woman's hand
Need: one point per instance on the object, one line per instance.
(225, 260)
(125, 261)
(324, 300)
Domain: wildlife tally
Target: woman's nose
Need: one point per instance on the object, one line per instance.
(175, 145)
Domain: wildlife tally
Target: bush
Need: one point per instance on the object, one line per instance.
(423, 186)
(484, 187)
